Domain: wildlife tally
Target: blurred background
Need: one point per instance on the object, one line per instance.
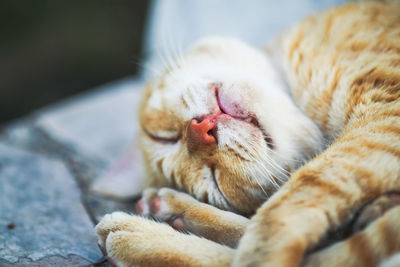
(50, 50)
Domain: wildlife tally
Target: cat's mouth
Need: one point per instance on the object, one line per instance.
(235, 111)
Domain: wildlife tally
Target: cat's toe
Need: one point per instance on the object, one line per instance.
(117, 245)
(110, 223)
(166, 205)
(143, 205)
(172, 202)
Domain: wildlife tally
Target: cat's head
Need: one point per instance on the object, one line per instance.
(219, 125)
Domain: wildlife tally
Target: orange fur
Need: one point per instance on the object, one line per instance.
(344, 73)
(362, 110)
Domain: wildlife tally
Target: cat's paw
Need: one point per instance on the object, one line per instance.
(166, 205)
(184, 213)
(130, 240)
(113, 222)
(119, 234)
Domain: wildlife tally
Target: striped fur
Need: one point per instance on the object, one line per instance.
(344, 71)
(343, 68)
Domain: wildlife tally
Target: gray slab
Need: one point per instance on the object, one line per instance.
(58, 261)
(41, 214)
(103, 125)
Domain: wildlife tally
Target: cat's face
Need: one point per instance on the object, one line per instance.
(219, 125)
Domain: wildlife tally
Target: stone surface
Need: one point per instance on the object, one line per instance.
(103, 125)
(48, 164)
(41, 210)
(59, 261)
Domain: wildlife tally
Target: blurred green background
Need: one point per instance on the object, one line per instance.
(53, 49)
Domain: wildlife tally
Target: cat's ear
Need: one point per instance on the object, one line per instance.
(124, 179)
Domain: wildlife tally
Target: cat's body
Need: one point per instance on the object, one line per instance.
(209, 129)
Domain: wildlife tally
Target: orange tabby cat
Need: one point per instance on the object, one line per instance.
(219, 125)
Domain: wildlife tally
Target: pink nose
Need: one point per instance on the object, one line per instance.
(203, 131)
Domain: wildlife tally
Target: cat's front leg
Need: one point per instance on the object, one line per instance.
(322, 195)
(374, 238)
(376, 243)
(185, 213)
(136, 241)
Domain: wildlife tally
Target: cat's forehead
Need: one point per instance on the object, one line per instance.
(186, 82)
(163, 97)
(181, 101)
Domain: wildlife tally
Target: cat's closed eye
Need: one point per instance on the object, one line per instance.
(162, 137)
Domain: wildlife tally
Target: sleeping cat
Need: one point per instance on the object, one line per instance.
(220, 125)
